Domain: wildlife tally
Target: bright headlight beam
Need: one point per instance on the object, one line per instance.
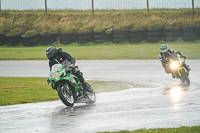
(174, 65)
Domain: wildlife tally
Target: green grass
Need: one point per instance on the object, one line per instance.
(83, 21)
(18, 90)
(104, 51)
(193, 129)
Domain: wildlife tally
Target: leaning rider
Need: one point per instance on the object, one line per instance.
(165, 52)
(53, 53)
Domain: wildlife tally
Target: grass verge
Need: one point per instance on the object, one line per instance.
(193, 129)
(18, 90)
(83, 21)
(105, 51)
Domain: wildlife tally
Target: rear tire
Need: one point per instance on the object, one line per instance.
(65, 94)
(90, 96)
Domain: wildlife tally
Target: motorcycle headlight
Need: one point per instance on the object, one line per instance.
(174, 65)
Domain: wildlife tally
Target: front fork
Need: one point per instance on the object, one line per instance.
(178, 74)
(80, 93)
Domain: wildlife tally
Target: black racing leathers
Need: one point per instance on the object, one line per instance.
(163, 56)
(62, 56)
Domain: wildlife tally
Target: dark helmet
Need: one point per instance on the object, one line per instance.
(164, 48)
(51, 52)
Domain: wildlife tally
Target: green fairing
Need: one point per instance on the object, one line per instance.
(180, 59)
(62, 76)
(180, 69)
(71, 80)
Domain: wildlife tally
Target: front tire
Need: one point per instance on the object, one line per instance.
(65, 94)
(184, 77)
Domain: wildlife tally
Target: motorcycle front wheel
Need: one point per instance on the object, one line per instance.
(65, 94)
(184, 77)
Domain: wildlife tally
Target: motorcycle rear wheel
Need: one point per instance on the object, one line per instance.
(90, 96)
(66, 95)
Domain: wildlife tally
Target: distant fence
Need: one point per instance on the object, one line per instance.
(97, 4)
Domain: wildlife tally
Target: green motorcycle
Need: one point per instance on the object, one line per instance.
(179, 68)
(68, 86)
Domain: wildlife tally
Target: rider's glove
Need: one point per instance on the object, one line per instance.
(181, 54)
(163, 57)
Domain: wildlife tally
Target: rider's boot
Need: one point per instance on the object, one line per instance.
(84, 83)
(82, 80)
(86, 86)
(188, 67)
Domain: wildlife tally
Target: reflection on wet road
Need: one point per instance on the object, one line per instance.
(154, 100)
(176, 94)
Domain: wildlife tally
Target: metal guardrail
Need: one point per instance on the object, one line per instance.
(109, 4)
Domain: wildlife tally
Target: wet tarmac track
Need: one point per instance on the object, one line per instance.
(154, 99)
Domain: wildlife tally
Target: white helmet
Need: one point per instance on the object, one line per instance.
(164, 48)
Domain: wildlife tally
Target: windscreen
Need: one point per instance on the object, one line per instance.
(174, 57)
(55, 67)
